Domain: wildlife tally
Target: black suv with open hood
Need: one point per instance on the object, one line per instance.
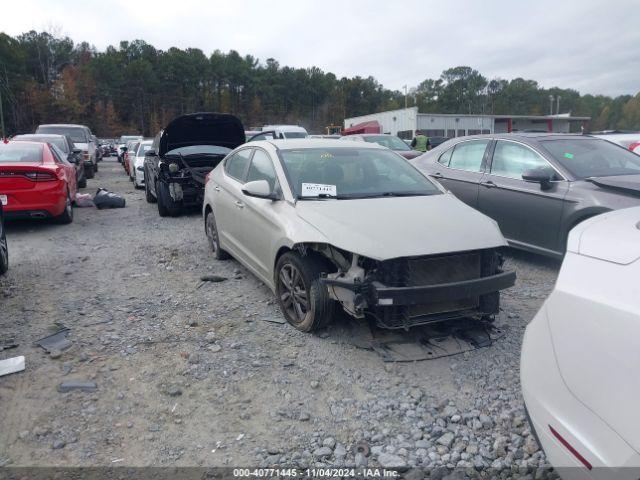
(183, 154)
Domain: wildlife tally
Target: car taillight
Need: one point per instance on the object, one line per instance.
(40, 176)
(634, 145)
(569, 447)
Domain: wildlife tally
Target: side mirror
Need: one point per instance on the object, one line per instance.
(538, 175)
(124, 149)
(259, 189)
(71, 158)
(149, 153)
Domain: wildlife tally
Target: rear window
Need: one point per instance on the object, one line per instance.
(59, 142)
(295, 135)
(77, 134)
(586, 158)
(20, 152)
(199, 149)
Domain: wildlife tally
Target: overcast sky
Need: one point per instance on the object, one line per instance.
(589, 45)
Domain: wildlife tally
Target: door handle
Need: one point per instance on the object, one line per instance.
(216, 188)
(239, 204)
(489, 184)
(437, 175)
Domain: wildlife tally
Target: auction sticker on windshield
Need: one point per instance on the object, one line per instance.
(3, 199)
(315, 189)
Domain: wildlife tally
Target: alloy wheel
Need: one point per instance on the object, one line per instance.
(293, 292)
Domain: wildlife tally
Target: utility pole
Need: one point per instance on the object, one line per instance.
(405, 96)
(550, 104)
(558, 105)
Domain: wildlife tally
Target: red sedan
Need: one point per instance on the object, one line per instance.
(36, 181)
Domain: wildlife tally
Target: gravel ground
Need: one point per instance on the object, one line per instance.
(192, 374)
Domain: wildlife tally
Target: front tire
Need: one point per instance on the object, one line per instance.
(304, 301)
(147, 191)
(211, 229)
(166, 205)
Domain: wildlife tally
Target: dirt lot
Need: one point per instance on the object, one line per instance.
(191, 375)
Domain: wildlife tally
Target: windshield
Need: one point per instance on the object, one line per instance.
(127, 138)
(77, 134)
(352, 173)
(586, 158)
(199, 150)
(59, 142)
(295, 135)
(389, 141)
(143, 147)
(20, 152)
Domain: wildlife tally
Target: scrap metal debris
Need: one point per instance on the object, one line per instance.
(11, 365)
(83, 385)
(274, 319)
(7, 344)
(55, 342)
(210, 278)
(425, 342)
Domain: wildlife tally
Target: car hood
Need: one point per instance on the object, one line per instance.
(392, 227)
(204, 128)
(629, 184)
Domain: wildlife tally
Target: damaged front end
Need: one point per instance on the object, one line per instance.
(405, 292)
(185, 176)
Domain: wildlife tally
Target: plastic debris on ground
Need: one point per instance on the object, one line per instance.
(106, 199)
(424, 342)
(11, 365)
(84, 200)
(57, 341)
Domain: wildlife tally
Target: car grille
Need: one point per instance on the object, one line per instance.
(432, 270)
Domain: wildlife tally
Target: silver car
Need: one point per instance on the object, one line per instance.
(327, 223)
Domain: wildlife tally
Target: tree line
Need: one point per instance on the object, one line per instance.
(136, 88)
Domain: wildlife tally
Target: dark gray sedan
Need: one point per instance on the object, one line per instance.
(536, 186)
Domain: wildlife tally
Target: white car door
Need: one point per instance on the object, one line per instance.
(260, 228)
(229, 206)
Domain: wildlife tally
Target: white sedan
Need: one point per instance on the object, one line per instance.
(326, 223)
(136, 163)
(581, 354)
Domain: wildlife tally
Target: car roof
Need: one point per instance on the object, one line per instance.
(62, 125)
(22, 142)
(523, 136)
(41, 135)
(298, 144)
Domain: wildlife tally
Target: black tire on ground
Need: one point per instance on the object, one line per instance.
(166, 205)
(211, 229)
(88, 171)
(95, 166)
(67, 214)
(304, 301)
(4, 251)
(147, 192)
(82, 183)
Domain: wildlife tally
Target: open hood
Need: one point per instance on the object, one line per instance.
(629, 184)
(220, 129)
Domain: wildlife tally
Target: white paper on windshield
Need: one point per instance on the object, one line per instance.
(315, 189)
(4, 200)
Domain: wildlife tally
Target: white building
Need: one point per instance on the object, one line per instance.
(406, 121)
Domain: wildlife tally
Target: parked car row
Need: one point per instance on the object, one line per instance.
(41, 174)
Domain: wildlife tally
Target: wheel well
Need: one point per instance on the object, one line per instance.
(307, 249)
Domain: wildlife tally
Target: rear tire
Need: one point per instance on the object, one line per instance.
(88, 171)
(4, 251)
(166, 205)
(211, 229)
(82, 183)
(304, 301)
(67, 214)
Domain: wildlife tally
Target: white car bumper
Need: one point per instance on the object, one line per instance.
(552, 405)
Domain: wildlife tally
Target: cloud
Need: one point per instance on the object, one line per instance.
(587, 45)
